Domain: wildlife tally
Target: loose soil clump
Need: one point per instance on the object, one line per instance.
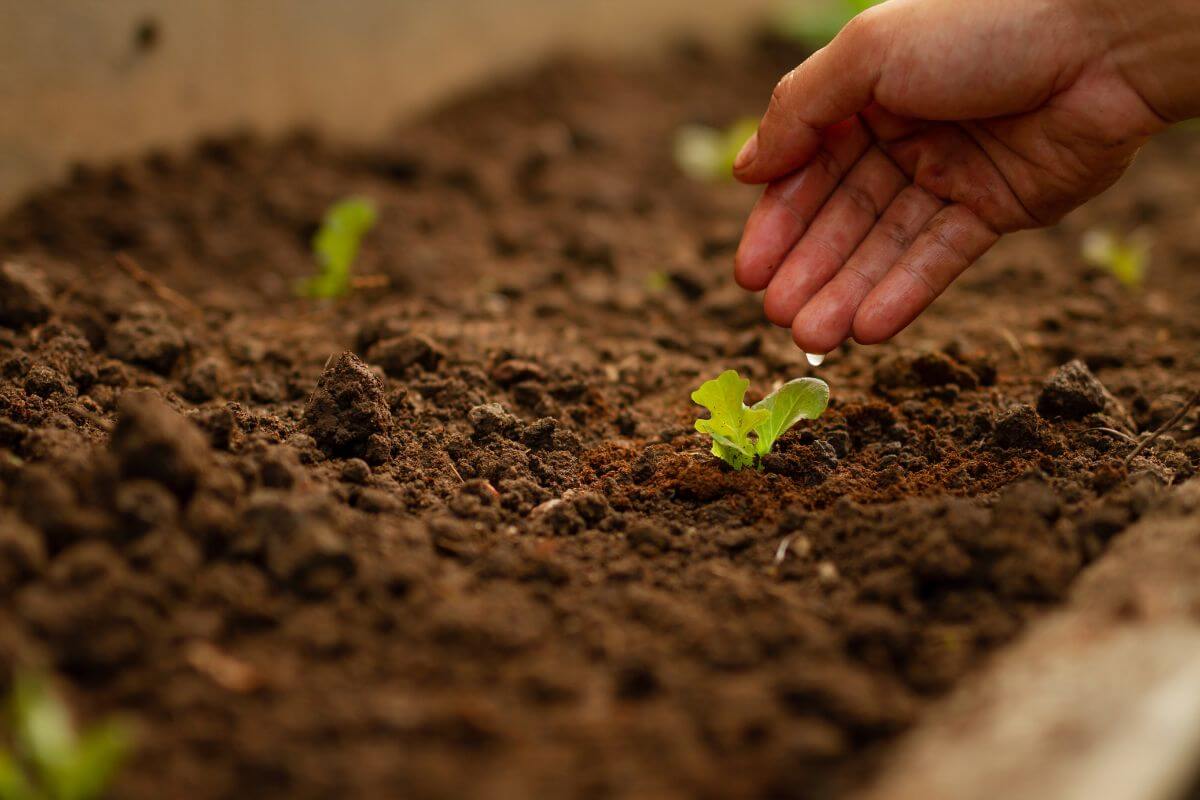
(456, 536)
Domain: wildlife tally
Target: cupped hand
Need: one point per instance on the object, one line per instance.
(898, 154)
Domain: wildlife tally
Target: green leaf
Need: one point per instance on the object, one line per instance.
(803, 398)
(730, 421)
(335, 247)
(100, 753)
(41, 725)
(736, 456)
(52, 757)
(1125, 258)
(13, 783)
(707, 154)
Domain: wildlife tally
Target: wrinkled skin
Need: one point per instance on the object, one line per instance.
(899, 154)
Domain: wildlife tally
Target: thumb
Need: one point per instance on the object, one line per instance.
(832, 85)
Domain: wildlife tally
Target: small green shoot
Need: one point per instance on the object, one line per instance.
(743, 434)
(707, 154)
(45, 758)
(1125, 258)
(657, 281)
(816, 24)
(335, 247)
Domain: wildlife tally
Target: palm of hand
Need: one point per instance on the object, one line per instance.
(891, 209)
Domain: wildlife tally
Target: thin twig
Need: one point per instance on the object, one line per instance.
(155, 286)
(1171, 423)
(1014, 343)
(1115, 432)
(782, 551)
(454, 469)
(83, 415)
(368, 282)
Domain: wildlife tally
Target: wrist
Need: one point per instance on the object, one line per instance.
(1155, 46)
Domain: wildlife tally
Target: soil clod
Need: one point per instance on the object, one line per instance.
(1072, 392)
(347, 409)
(25, 297)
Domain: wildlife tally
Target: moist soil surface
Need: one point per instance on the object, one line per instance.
(455, 536)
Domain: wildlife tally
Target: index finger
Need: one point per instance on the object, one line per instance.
(832, 85)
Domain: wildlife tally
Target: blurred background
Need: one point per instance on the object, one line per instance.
(92, 80)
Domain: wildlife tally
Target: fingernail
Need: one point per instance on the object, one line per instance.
(748, 152)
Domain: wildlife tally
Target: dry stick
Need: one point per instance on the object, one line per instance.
(1171, 423)
(454, 469)
(1117, 433)
(782, 551)
(156, 286)
(372, 281)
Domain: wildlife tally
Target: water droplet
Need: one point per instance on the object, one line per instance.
(816, 359)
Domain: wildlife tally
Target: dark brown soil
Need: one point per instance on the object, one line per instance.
(456, 537)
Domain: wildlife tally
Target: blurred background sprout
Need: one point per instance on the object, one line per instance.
(704, 153)
(1126, 258)
(335, 247)
(816, 23)
(44, 757)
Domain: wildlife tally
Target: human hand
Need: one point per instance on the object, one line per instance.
(897, 155)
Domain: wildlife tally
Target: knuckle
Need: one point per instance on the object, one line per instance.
(778, 308)
(826, 161)
(858, 276)
(861, 198)
(918, 275)
(941, 232)
(896, 232)
(831, 250)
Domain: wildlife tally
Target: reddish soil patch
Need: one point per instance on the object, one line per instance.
(309, 574)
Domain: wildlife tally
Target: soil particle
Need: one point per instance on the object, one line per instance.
(154, 442)
(515, 370)
(1072, 392)
(22, 553)
(399, 354)
(25, 296)
(300, 548)
(492, 418)
(1019, 427)
(809, 464)
(347, 409)
(145, 336)
(46, 382)
(356, 470)
(540, 434)
(521, 495)
(559, 517)
(203, 380)
(927, 369)
(143, 506)
(649, 536)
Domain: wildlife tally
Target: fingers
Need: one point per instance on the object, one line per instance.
(840, 226)
(833, 85)
(953, 240)
(826, 321)
(788, 207)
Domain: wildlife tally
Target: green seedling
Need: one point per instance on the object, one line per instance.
(704, 153)
(335, 247)
(45, 758)
(1125, 258)
(816, 24)
(657, 281)
(743, 434)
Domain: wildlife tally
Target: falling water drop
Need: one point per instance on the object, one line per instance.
(816, 359)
